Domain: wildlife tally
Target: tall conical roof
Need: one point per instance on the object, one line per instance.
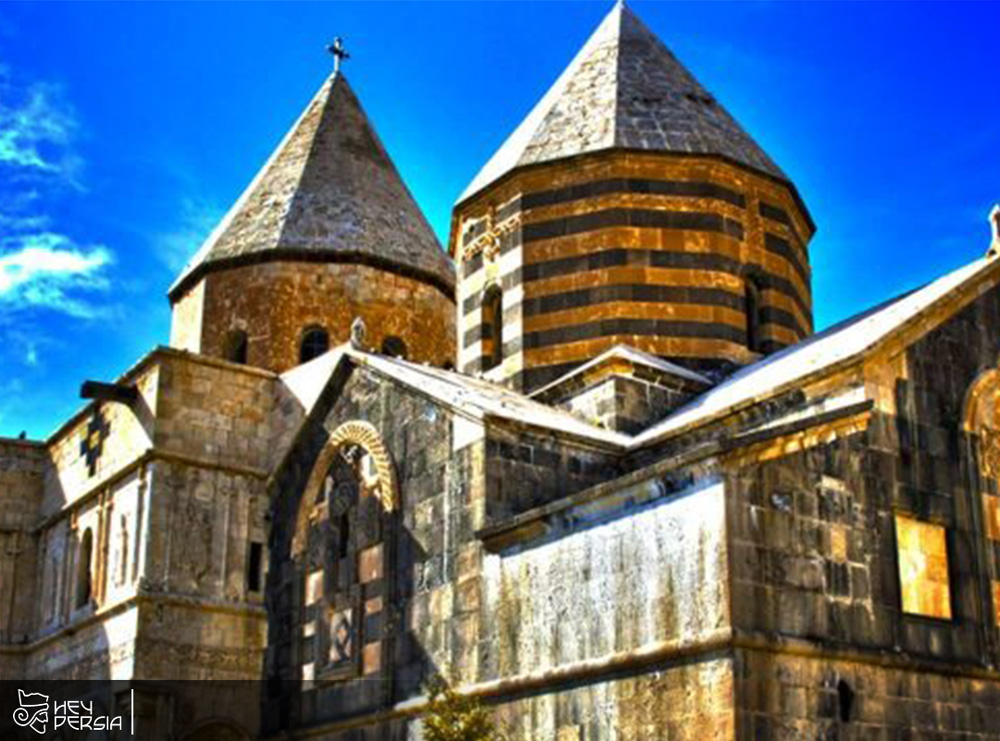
(624, 89)
(328, 192)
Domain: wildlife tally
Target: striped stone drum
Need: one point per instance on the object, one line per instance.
(697, 259)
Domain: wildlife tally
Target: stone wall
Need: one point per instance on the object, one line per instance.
(652, 251)
(526, 469)
(155, 530)
(817, 585)
(615, 586)
(216, 411)
(605, 599)
(433, 521)
(791, 697)
(117, 434)
(687, 701)
(22, 465)
(275, 302)
(97, 648)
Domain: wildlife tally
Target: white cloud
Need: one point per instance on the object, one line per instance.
(49, 271)
(37, 127)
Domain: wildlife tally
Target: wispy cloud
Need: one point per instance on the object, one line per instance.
(37, 127)
(49, 271)
(41, 268)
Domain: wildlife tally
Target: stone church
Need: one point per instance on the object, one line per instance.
(591, 464)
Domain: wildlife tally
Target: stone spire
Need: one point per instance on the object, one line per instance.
(329, 192)
(624, 89)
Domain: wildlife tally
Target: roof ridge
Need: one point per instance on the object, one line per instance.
(240, 203)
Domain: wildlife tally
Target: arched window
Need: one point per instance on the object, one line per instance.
(492, 328)
(394, 346)
(315, 342)
(753, 315)
(235, 346)
(83, 573)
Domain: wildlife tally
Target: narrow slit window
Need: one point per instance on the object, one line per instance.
(255, 567)
(492, 328)
(753, 318)
(343, 535)
(845, 700)
(84, 577)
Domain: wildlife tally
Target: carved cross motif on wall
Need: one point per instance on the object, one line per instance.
(488, 242)
(92, 445)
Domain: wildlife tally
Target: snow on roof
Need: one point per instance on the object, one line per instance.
(813, 355)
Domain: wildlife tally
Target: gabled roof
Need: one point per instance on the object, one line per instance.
(663, 368)
(817, 354)
(328, 192)
(810, 359)
(467, 395)
(624, 89)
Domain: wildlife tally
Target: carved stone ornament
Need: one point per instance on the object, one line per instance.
(375, 466)
(989, 456)
(489, 241)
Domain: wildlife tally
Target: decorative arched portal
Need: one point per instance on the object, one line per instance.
(981, 425)
(344, 551)
(982, 421)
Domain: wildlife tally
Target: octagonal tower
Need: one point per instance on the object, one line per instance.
(628, 208)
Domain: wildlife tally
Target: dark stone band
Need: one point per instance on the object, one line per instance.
(666, 328)
(635, 293)
(643, 218)
(783, 248)
(681, 188)
(351, 257)
(626, 257)
(774, 213)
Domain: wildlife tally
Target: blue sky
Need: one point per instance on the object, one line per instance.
(127, 129)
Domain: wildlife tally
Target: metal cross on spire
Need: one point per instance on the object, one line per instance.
(339, 53)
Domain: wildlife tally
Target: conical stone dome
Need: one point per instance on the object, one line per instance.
(326, 232)
(328, 192)
(628, 208)
(624, 89)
